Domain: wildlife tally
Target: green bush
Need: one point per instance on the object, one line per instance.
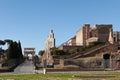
(57, 52)
(91, 44)
(96, 43)
(41, 52)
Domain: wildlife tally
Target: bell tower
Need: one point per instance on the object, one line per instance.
(50, 41)
(49, 44)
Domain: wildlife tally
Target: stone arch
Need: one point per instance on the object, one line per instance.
(28, 51)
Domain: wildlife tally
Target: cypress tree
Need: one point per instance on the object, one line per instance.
(20, 50)
(14, 51)
(10, 51)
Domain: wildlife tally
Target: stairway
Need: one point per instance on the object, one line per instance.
(83, 53)
(91, 52)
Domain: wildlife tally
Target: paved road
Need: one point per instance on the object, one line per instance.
(24, 68)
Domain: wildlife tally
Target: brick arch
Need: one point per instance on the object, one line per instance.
(106, 56)
(112, 55)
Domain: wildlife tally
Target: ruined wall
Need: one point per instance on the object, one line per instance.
(116, 36)
(103, 32)
(74, 41)
(71, 42)
(82, 35)
(86, 33)
(79, 37)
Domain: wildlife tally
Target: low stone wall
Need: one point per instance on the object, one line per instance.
(10, 65)
(86, 63)
(74, 69)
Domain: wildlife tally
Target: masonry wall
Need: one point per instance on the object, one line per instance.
(86, 33)
(71, 42)
(103, 32)
(79, 37)
(74, 41)
(116, 36)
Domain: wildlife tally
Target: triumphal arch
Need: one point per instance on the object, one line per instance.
(28, 51)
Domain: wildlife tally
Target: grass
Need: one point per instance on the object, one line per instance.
(36, 77)
(59, 76)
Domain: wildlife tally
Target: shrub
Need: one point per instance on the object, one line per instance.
(96, 43)
(83, 48)
(41, 52)
(59, 52)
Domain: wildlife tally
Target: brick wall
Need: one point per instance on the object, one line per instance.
(86, 34)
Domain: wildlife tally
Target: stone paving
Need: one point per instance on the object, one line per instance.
(24, 68)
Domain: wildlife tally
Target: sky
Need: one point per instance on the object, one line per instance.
(30, 21)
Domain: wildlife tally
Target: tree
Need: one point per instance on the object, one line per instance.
(57, 52)
(41, 52)
(20, 50)
(9, 51)
(14, 50)
(2, 42)
(8, 41)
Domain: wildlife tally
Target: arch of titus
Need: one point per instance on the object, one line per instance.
(29, 51)
(49, 44)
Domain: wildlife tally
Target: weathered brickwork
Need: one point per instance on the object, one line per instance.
(116, 36)
(86, 33)
(102, 56)
(99, 31)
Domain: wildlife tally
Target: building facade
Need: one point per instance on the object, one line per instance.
(99, 32)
